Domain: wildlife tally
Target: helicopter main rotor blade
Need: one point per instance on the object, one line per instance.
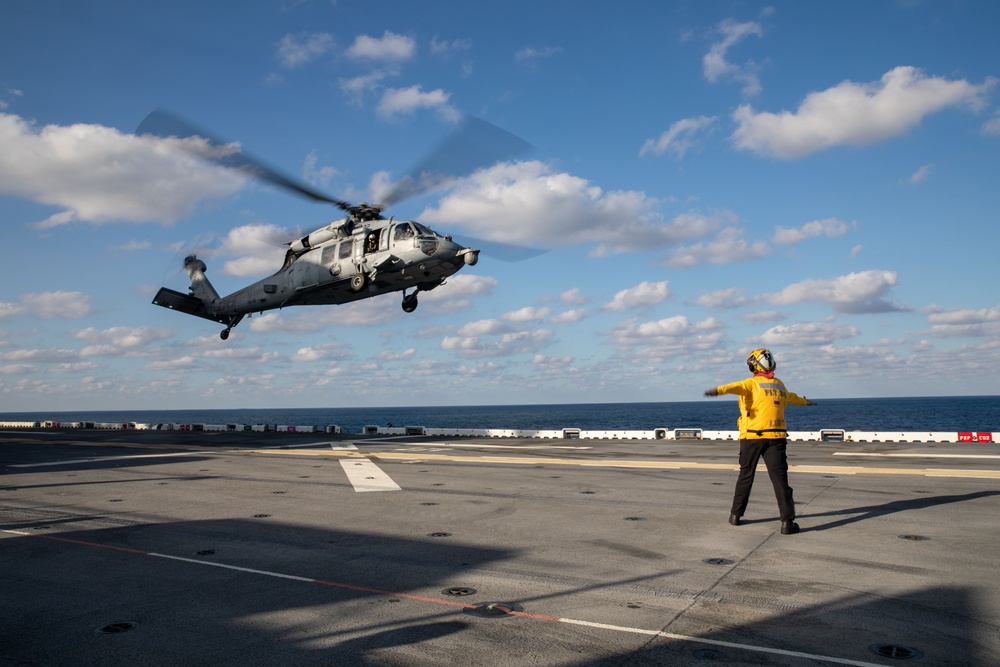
(162, 123)
(474, 144)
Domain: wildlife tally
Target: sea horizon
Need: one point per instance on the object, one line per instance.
(912, 413)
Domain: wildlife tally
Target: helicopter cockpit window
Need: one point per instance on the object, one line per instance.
(421, 230)
(403, 231)
(345, 248)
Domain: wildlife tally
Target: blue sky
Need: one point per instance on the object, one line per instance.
(707, 178)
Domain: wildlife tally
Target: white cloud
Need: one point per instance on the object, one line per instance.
(811, 333)
(117, 340)
(527, 203)
(966, 322)
(390, 48)
(731, 297)
(643, 294)
(258, 247)
(829, 227)
(573, 297)
(357, 87)
(295, 50)
(101, 175)
(921, 174)
(492, 343)
(397, 102)
(531, 55)
(457, 293)
(991, 128)
(679, 139)
(444, 46)
(569, 317)
(527, 314)
(58, 305)
(715, 65)
(728, 246)
(965, 316)
(855, 114)
(863, 292)
(671, 339)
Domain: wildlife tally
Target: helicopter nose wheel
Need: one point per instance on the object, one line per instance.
(225, 334)
(409, 302)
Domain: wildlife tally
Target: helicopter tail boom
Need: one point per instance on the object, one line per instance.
(185, 303)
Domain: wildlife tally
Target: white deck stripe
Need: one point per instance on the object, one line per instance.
(364, 475)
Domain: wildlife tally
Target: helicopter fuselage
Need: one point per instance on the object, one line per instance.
(343, 262)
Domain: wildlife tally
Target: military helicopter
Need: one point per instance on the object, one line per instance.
(355, 257)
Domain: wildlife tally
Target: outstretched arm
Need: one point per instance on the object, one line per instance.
(795, 399)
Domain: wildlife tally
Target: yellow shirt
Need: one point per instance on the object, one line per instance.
(762, 406)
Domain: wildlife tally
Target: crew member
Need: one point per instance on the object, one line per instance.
(763, 434)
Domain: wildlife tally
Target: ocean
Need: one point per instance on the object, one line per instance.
(969, 413)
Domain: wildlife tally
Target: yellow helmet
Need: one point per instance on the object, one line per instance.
(761, 361)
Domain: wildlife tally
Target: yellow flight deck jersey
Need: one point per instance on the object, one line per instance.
(762, 406)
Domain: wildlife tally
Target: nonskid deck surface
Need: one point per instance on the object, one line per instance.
(124, 547)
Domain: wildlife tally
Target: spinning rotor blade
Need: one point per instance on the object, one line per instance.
(474, 144)
(162, 123)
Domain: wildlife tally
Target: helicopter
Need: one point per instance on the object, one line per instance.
(358, 256)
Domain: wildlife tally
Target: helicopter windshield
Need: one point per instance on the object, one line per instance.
(422, 230)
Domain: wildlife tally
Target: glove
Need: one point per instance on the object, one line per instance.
(712, 392)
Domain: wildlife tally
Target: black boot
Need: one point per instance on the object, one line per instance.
(789, 527)
(734, 520)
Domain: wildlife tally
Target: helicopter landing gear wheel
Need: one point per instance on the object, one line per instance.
(225, 334)
(358, 282)
(410, 303)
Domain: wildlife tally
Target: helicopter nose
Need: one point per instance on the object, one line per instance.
(457, 253)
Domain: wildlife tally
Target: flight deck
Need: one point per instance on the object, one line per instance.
(260, 548)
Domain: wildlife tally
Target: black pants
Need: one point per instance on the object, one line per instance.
(773, 452)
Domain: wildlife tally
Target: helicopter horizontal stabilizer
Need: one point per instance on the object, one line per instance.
(185, 303)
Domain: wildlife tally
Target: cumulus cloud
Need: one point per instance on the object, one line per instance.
(458, 293)
(731, 297)
(679, 139)
(390, 48)
(258, 249)
(716, 66)
(728, 246)
(991, 128)
(643, 294)
(528, 203)
(398, 102)
(571, 316)
(810, 333)
(118, 340)
(668, 339)
(527, 314)
(490, 338)
(573, 297)
(983, 322)
(58, 305)
(862, 292)
(100, 175)
(855, 114)
(829, 227)
(296, 50)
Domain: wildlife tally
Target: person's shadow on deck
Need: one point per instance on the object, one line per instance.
(872, 511)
